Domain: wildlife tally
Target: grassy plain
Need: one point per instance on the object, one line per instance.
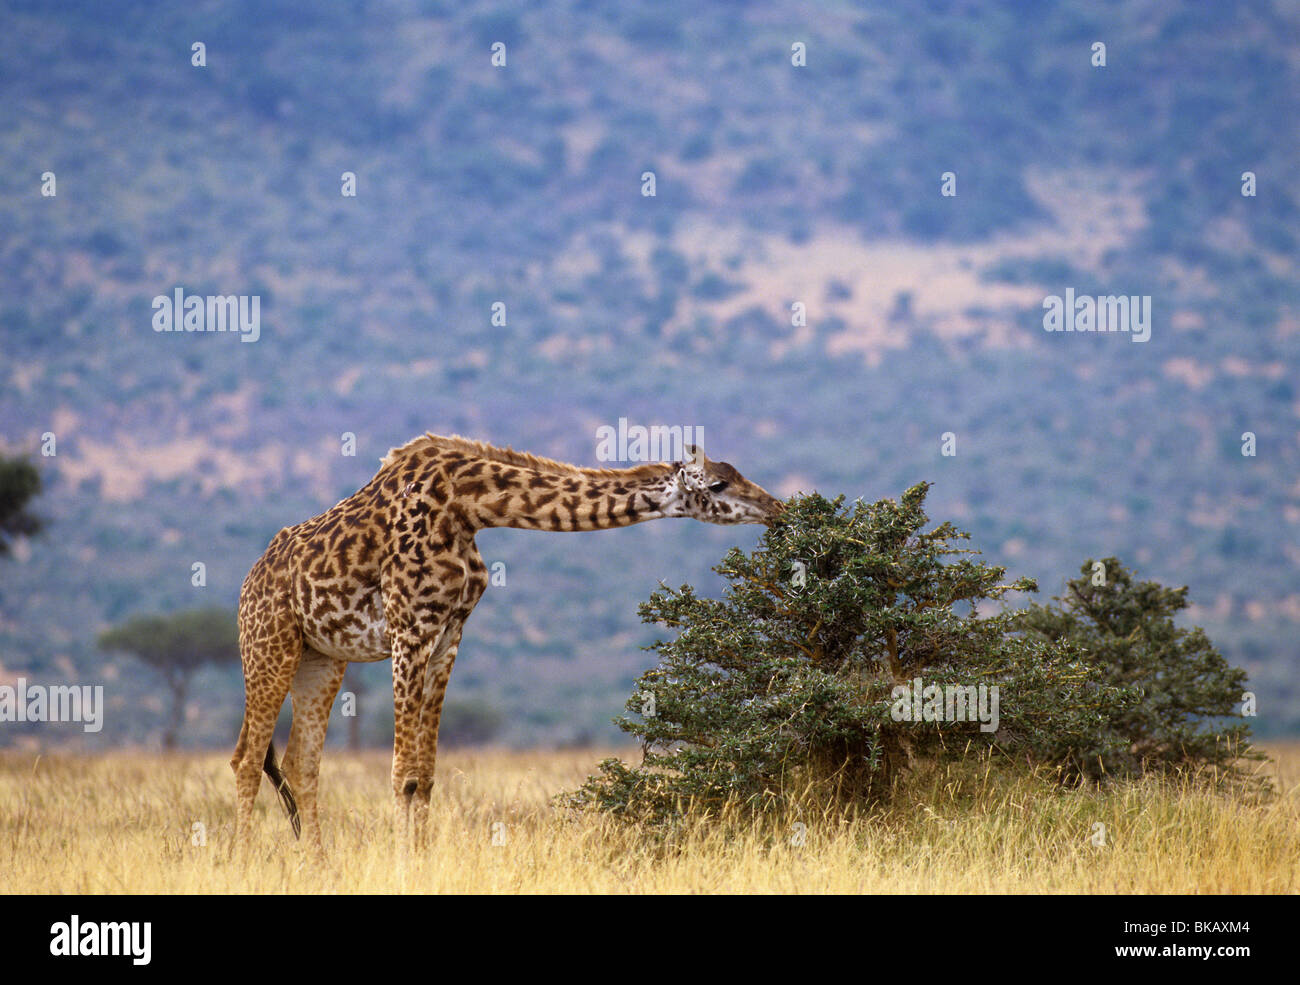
(151, 823)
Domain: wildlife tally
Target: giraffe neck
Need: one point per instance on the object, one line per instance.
(496, 495)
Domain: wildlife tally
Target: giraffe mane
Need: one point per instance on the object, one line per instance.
(508, 456)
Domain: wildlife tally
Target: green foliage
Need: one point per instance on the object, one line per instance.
(792, 682)
(1189, 713)
(19, 484)
(177, 647)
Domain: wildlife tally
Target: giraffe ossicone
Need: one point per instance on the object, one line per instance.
(392, 572)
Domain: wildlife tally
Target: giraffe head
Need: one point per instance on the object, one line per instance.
(716, 493)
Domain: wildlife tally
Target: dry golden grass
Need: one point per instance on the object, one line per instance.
(123, 823)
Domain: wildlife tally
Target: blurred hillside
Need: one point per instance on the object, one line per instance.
(522, 184)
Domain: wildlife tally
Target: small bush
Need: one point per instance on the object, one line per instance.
(1189, 713)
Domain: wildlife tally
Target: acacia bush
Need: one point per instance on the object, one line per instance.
(798, 679)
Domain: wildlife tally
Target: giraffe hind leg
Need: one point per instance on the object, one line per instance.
(253, 756)
(315, 686)
(271, 657)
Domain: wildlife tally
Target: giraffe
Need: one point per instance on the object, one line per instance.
(392, 572)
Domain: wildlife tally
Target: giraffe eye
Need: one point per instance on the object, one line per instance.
(717, 487)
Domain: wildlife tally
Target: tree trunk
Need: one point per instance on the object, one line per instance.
(353, 683)
(180, 687)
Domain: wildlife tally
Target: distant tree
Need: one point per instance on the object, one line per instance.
(1189, 712)
(177, 647)
(468, 723)
(19, 484)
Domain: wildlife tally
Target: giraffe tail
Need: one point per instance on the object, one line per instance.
(272, 769)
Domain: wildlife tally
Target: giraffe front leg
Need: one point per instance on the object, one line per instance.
(410, 657)
(435, 690)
